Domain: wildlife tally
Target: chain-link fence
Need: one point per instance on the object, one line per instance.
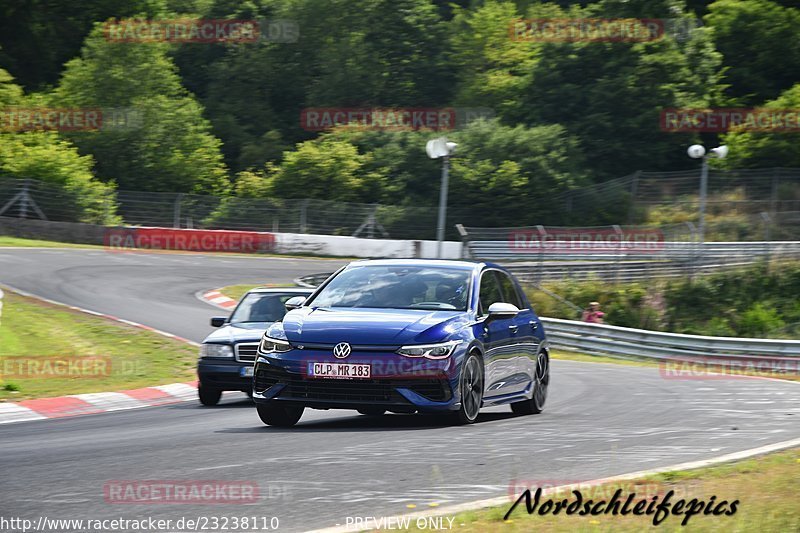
(755, 204)
(670, 197)
(41, 200)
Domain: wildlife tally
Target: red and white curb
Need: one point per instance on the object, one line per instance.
(218, 299)
(98, 402)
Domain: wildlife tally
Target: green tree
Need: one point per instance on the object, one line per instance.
(499, 170)
(610, 95)
(44, 157)
(73, 194)
(38, 36)
(349, 53)
(380, 52)
(495, 167)
(777, 149)
(10, 92)
(758, 39)
(325, 169)
(493, 64)
(167, 144)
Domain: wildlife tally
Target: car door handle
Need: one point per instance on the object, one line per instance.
(534, 325)
(513, 328)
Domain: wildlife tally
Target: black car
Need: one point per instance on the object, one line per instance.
(227, 354)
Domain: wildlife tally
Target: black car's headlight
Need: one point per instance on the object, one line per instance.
(271, 345)
(216, 350)
(441, 350)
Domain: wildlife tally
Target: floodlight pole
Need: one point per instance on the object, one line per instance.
(442, 205)
(697, 151)
(701, 229)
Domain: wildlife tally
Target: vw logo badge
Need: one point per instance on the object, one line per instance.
(341, 350)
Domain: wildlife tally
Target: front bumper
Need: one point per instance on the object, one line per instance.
(224, 375)
(397, 383)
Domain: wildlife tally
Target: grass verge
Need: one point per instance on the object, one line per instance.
(47, 350)
(8, 242)
(765, 486)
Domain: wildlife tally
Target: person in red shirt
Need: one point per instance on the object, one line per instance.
(593, 314)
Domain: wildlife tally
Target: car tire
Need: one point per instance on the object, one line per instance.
(535, 405)
(372, 411)
(274, 414)
(208, 396)
(470, 385)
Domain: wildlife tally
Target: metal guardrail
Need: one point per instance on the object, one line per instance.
(668, 251)
(615, 272)
(676, 259)
(602, 339)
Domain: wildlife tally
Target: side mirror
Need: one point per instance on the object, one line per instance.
(218, 321)
(500, 310)
(294, 302)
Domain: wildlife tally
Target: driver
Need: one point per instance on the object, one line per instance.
(391, 291)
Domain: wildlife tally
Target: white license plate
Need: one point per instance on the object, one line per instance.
(339, 370)
(246, 372)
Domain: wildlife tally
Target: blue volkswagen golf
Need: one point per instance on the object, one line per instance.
(405, 336)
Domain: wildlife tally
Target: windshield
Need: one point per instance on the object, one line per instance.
(261, 307)
(397, 287)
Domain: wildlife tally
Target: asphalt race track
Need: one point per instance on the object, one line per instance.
(601, 420)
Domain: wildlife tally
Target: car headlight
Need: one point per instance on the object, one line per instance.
(216, 350)
(271, 345)
(440, 350)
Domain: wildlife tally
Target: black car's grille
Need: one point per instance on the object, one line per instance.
(246, 352)
(347, 390)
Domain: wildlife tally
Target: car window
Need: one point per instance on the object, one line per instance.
(397, 287)
(261, 307)
(510, 294)
(490, 291)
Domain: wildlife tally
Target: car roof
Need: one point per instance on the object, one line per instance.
(446, 263)
(297, 290)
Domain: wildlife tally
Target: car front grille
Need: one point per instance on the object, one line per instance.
(246, 352)
(349, 390)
